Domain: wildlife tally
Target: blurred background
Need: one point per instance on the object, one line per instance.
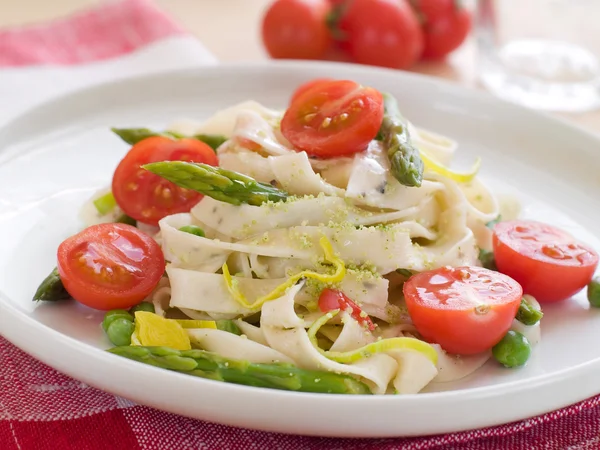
(539, 53)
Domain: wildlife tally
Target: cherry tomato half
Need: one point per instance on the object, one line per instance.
(549, 263)
(147, 197)
(297, 29)
(466, 310)
(382, 33)
(333, 118)
(308, 86)
(109, 266)
(331, 299)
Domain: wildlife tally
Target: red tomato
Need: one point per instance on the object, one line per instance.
(382, 33)
(248, 144)
(332, 299)
(335, 118)
(147, 197)
(434, 9)
(297, 29)
(308, 86)
(109, 266)
(466, 310)
(549, 263)
(446, 33)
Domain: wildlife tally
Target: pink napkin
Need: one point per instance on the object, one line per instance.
(41, 408)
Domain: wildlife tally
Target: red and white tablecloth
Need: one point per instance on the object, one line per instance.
(41, 408)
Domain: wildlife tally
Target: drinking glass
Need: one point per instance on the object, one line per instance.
(540, 53)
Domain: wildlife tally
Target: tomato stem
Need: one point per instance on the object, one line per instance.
(332, 20)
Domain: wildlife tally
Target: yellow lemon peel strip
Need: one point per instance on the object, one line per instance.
(337, 276)
(459, 177)
(384, 345)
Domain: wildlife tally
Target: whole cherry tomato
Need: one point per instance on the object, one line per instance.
(381, 32)
(297, 29)
(446, 24)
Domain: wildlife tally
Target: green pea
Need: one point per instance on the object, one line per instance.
(115, 314)
(119, 331)
(144, 306)
(527, 314)
(593, 292)
(513, 350)
(193, 229)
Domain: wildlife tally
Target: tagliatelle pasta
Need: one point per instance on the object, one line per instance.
(375, 221)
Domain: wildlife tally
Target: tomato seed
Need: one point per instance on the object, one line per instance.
(482, 309)
(553, 252)
(464, 274)
(309, 117)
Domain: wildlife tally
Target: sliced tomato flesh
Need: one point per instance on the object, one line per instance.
(110, 266)
(146, 197)
(309, 85)
(466, 310)
(549, 263)
(333, 118)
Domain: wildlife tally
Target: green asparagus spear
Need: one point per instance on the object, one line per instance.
(212, 140)
(220, 184)
(134, 135)
(405, 159)
(275, 376)
(51, 289)
(527, 314)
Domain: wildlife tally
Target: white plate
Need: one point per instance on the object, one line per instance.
(53, 157)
